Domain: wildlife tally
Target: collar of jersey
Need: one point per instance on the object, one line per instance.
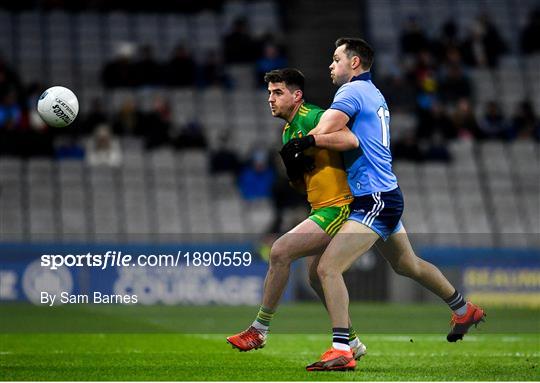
(366, 76)
(294, 118)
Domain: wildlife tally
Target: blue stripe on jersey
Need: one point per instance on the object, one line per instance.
(369, 168)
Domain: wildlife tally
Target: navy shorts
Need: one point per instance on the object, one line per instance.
(379, 211)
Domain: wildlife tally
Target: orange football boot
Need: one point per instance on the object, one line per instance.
(250, 339)
(461, 324)
(334, 360)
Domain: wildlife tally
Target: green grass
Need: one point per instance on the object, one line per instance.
(507, 347)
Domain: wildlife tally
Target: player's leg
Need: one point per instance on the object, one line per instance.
(305, 239)
(357, 347)
(372, 217)
(397, 250)
(353, 240)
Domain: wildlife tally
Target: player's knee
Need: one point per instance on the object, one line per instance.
(279, 256)
(407, 268)
(325, 270)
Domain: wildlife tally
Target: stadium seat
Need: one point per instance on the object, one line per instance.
(73, 211)
(6, 36)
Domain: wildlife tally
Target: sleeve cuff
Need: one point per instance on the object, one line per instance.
(342, 109)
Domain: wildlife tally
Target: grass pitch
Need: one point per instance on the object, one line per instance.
(414, 347)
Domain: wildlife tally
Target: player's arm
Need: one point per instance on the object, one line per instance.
(332, 133)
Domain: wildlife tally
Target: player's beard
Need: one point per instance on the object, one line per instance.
(338, 81)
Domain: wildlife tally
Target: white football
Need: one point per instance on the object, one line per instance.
(58, 106)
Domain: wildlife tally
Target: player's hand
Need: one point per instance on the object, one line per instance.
(309, 164)
(296, 164)
(297, 145)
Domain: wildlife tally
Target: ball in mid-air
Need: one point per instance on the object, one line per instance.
(58, 106)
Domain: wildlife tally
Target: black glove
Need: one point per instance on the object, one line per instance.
(298, 145)
(297, 164)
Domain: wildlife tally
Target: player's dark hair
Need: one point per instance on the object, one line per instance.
(292, 77)
(357, 47)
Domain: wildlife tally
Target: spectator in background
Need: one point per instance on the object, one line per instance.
(453, 57)
(436, 122)
(147, 70)
(157, 124)
(413, 38)
(95, 116)
(454, 84)
(212, 71)
(447, 41)
(493, 124)
(435, 129)
(464, 120)
(181, 69)
(424, 75)
(9, 80)
(129, 121)
(224, 159)
(257, 177)
(398, 91)
(239, 46)
(10, 123)
(529, 41)
(525, 124)
(407, 148)
(68, 148)
(10, 110)
(484, 45)
(271, 59)
(103, 149)
(191, 137)
(121, 71)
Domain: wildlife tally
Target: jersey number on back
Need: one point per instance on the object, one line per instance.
(384, 116)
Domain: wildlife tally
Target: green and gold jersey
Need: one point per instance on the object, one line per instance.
(327, 184)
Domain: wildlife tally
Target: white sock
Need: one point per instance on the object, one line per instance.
(354, 343)
(341, 346)
(461, 311)
(259, 326)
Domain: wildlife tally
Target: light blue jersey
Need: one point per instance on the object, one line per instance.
(369, 168)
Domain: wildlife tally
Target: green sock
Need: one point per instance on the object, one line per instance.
(264, 316)
(352, 334)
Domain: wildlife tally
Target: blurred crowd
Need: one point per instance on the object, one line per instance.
(137, 66)
(432, 83)
(23, 134)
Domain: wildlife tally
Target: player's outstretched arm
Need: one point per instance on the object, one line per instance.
(340, 141)
(332, 133)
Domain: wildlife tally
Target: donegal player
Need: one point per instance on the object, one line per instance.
(327, 192)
